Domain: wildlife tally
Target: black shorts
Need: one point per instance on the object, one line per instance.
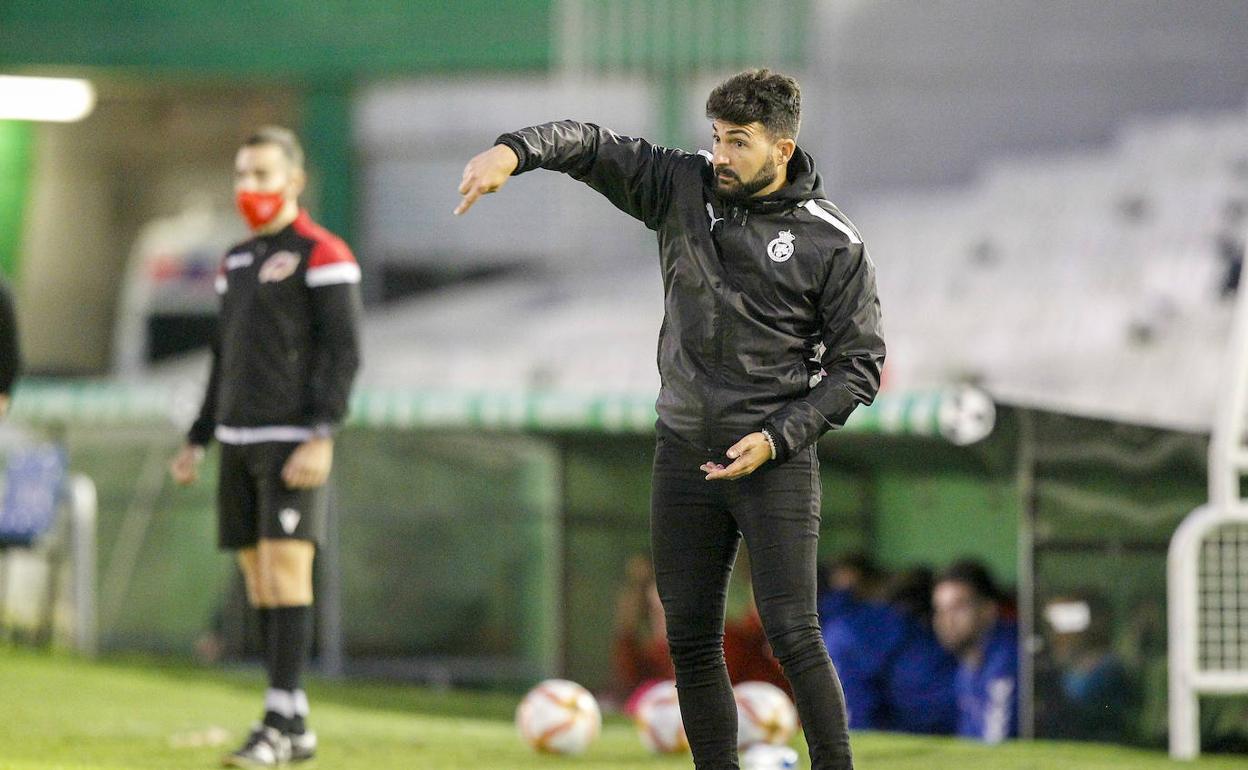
(253, 502)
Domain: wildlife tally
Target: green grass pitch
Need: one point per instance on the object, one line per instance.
(61, 713)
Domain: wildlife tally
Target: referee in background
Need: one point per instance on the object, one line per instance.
(284, 358)
(770, 337)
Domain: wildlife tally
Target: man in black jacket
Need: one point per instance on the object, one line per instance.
(10, 355)
(284, 358)
(770, 337)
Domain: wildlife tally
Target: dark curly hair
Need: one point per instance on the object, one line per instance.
(761, 96)
(973, 574)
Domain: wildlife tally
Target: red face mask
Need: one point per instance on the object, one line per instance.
(259, 208)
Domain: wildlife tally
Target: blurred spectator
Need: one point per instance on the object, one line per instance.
(639, 651)
(856, 572)
(10, 358)
(918, 683)
(896, 676)
(1083, 687)
(862, 636)
(968, 623)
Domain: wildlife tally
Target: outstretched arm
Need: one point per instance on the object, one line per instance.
(633, 174)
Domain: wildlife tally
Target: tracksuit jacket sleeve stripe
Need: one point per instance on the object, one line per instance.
(632, 173)
(853, 359)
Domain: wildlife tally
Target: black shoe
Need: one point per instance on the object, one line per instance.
(302, 746)
(265, 747)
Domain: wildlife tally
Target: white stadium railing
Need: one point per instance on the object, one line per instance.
(1208, 609)
(1207, 566)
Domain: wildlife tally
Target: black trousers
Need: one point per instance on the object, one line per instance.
(695, 527)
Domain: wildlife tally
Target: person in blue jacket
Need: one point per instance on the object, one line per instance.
(1084, 690)
(862, 637)
(861, 634)
(895, 675)
(968, 623)
(917, 688)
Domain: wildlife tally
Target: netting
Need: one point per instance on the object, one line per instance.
(1223, 599)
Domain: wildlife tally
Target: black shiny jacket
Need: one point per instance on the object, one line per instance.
(771, 317)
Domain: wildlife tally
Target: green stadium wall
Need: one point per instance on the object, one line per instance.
(316, 41)
(15, 152)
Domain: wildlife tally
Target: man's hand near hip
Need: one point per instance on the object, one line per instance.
(185, 465)
(308, 466)
(747, 455)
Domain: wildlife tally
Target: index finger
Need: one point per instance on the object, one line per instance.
(466, 202)
(731, 472)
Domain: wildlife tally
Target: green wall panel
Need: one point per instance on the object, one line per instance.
(15, 149)
(942, 516)
(326, 133)
(279, 39)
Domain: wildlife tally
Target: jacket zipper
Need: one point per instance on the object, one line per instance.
(717, 352)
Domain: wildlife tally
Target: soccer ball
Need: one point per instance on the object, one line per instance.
(658, 720)
(966, 416)
(764, 756)
(559, 717)
(764, 714)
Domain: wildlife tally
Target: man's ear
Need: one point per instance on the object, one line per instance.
(298, 180)
(784, 151)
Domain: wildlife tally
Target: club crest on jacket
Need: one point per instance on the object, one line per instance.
(781, 247)
(279, 267)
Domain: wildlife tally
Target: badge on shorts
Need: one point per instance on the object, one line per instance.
(781, 247)
(279, 267)
(289, 518)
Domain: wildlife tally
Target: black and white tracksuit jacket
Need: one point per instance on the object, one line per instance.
(771, 317)
(287, 343)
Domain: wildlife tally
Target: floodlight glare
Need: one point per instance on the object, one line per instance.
(60, 100)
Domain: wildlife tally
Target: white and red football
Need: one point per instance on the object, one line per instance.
(658, 719)
(559, 717)
(764, 714)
